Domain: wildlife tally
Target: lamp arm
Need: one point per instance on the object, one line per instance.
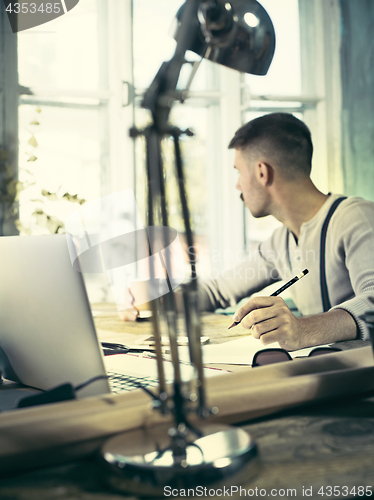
(159, 97)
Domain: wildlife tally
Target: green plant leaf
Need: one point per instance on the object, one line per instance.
(32, 158)
(33, 142)
(34, 122)
(41, 217)
(73, 198)
(12, 187)
(54, 224)
(49, 195)
(20, 186)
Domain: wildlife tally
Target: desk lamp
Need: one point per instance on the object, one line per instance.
(238, 34)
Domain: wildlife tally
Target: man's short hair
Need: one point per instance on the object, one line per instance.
(280, 137)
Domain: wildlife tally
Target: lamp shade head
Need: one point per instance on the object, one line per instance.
(247, 43)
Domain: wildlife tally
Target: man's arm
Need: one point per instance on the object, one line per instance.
(352, 234)
(270, 320)
(352, 227)
(253, 273)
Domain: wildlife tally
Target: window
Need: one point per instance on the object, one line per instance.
(79, 74)
(64, 111)
(153, 22)
(62, 138)
(279, 90)
(303, 79)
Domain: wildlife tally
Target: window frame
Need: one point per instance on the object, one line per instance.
(8, 105)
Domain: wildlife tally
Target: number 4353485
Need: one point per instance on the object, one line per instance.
(337, 491)
(32, 8)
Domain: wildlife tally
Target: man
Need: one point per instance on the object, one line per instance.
(273, 159)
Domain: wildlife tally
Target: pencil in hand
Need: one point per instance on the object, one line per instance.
(280, 290)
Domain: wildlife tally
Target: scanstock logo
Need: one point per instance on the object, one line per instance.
(25, 15)
(107, 236)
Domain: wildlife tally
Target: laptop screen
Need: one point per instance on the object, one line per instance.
(47, 334)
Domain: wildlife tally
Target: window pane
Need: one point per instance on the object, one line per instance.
(62, 54)
(67, 151)
(194, 152)
(194, 156)
(284, 75)
(154, 43)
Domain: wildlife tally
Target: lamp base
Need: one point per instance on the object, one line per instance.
(141, 462)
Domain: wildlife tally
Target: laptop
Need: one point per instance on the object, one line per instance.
(47, 333)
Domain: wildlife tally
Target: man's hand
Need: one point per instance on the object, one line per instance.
(130, 314)
(270, 320)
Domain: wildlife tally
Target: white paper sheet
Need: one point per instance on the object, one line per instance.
(239, 352)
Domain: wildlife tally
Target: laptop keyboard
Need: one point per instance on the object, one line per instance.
(120, 383)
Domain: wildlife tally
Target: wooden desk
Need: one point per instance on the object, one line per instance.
(214, 326)
(330, 444)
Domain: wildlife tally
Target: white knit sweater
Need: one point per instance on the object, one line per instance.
(349, 264)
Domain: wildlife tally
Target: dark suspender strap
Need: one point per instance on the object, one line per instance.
(288, 248)
(324, 292)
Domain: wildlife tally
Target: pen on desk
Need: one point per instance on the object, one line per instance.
(280, 290)
(113, 348)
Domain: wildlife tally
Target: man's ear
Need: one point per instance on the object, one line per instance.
(265, 173)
